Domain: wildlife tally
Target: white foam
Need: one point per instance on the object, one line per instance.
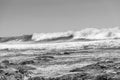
(64, 45)
(89, 33)
(50, 36)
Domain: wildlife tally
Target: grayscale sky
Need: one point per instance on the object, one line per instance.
(19, 17)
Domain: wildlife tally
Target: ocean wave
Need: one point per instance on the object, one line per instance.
(23, 38)
(82, 35)
(88, 34)
(93, 33)
(52, 36)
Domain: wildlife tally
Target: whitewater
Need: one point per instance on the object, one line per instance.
(74, 40)
(89, 33)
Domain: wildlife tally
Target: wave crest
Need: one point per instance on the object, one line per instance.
(52, 36)
(89, 33)
(85, 34)
(93, 33)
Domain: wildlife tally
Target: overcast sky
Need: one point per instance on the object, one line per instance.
(19, 17)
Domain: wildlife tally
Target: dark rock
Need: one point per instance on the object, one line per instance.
(27, 62)
(6, 62)
(103, 77)
(37, 78)
(66, 53)
(2, 71)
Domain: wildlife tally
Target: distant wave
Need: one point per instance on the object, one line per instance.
(23, 38)
(85, 35)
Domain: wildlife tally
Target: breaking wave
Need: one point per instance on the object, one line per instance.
(93, 33)
(85, 34)
(52, 36)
